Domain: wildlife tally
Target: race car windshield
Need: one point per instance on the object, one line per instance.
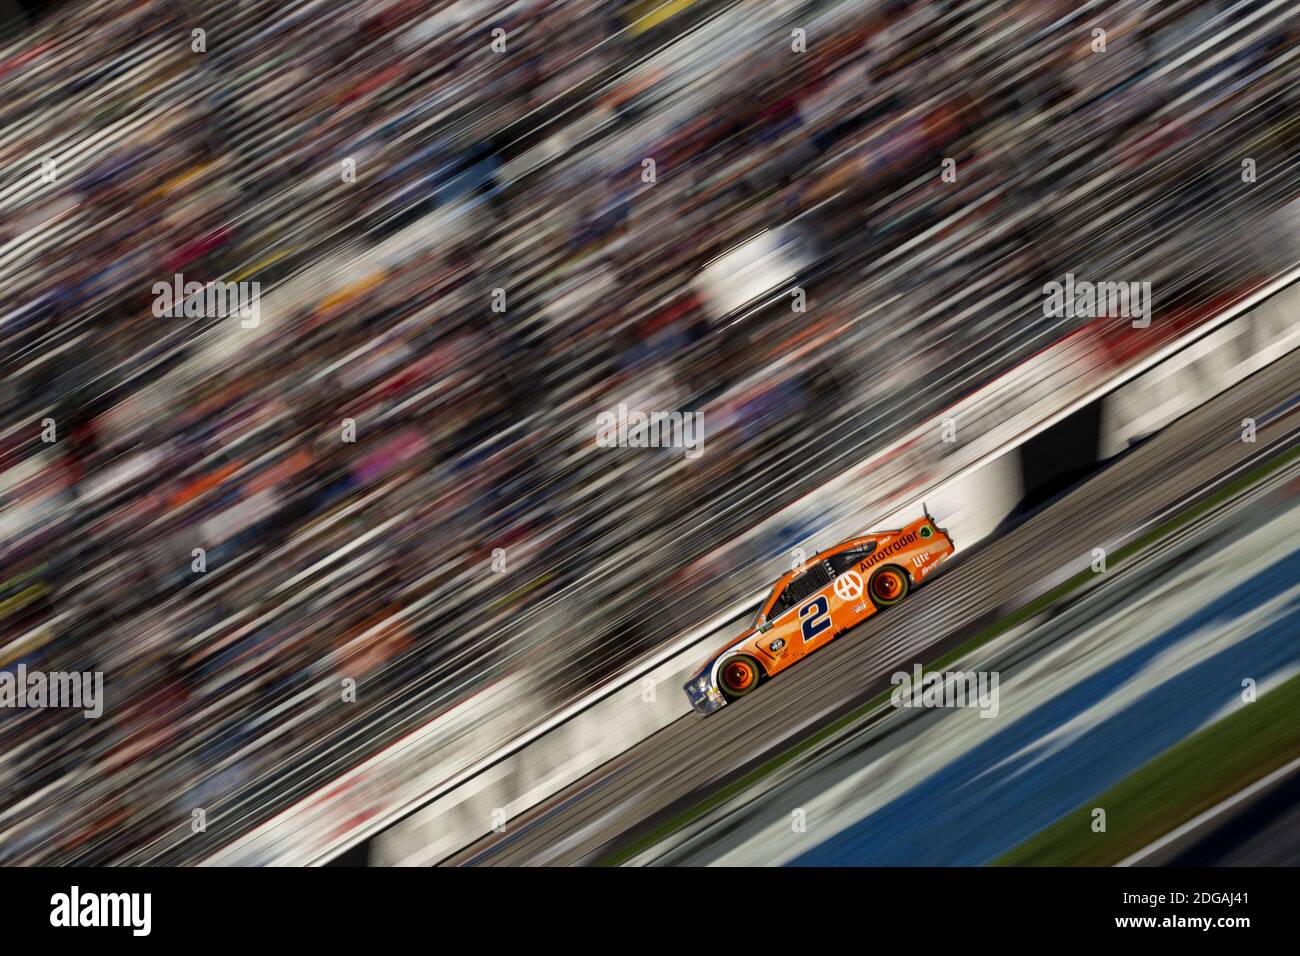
(775, 607)
(767, 603)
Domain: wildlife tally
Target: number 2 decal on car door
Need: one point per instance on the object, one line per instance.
(815, 616)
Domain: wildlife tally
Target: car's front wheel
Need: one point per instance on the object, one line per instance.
(738, 675)
(888, 585)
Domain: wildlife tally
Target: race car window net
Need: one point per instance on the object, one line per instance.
(805, 585)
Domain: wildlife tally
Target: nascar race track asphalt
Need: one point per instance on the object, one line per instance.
(693, 757)
(1263, 831)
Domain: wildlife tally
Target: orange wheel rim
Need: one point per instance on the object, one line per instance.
(889, 585)
(738, 676)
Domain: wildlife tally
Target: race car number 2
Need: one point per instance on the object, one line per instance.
(815, 616)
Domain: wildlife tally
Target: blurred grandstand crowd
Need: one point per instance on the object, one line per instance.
(520, 170)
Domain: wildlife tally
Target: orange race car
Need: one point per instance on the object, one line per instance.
(808, 607)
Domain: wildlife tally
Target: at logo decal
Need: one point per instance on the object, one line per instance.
(848, 586)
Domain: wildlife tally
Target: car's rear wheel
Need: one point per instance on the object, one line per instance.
(888, 585)
(738, 675)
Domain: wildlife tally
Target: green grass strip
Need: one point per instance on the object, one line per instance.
(1186, 780)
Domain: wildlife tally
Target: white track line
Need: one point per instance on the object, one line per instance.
(1211, 813)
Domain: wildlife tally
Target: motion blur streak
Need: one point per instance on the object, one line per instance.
(1148, 674)
(391, 482)
(691, 760)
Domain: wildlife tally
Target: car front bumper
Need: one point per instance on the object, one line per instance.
(705, 701)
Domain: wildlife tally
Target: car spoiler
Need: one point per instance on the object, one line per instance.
(929, 517)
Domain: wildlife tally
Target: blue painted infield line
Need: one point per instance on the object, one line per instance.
(963, 816)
